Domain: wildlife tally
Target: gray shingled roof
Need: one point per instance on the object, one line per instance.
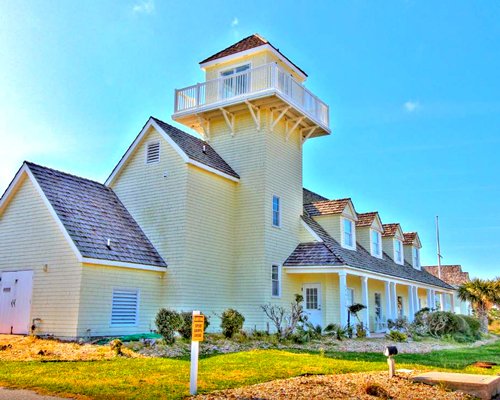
(193, 147)
(308, 196)
(305, 254)
(91, 213)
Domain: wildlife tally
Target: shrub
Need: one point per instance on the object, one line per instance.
(474, 325)
(360, 331)
(399, 324)
(185, 329)
(307, 332)
(116, 345)
(396, 336)
(336, 330)
(286, 321)
(446, 323)
(231, 322)
(168, 322)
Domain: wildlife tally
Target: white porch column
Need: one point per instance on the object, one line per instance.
(343, 298)
(411, 305)
(366, 302)
(441, 301)
(394, 301)
(433, 298)
(388, 307)
(429, 298)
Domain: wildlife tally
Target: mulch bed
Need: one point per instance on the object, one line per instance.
(369, 386)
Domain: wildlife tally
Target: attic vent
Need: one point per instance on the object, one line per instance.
(153, 152)
(124, 309)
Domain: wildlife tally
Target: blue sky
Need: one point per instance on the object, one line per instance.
(413, 89)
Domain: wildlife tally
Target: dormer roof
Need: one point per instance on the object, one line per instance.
(411, 239)
(391, 230)
(331, 207)
(248, 43)
(451, 274)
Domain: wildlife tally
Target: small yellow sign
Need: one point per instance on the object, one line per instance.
(198, 328)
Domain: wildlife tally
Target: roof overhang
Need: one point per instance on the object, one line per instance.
(258, 49)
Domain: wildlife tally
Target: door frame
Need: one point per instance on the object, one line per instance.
(15, 320)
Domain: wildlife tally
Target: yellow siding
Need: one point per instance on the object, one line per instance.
(363, 237)
(30, 238)
(331, 224)
(388, 246)
(375, 286)
(98, 282)
(402, 290)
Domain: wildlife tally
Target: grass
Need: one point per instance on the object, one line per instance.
(169, 378)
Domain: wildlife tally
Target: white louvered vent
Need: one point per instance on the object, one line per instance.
(125, 307)
(153, 152)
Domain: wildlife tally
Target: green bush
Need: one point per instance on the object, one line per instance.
(397, 336)
(231, 322)
(168, 322)
(336, 330)
(185, 329)
(399, 324)
(307, 332)
(446, 323)
(474, 325)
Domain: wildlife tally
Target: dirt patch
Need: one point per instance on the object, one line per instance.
(369, 386)
(28, 348)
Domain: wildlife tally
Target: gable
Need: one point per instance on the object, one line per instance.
(377, 224)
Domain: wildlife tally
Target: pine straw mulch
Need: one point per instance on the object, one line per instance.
(369, 386)
(30, 348)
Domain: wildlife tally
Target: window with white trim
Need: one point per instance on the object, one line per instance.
(349, 294)
(416, 258)
(276, 280)
(125, 307)
(376, 243)
(235, 81)
(378, 306)
(348, 234)
(398, 251)
(276, 211)
(153, 152)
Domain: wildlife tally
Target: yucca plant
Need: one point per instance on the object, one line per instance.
(482, 294)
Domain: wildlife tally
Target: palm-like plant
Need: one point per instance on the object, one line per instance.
(482, 295)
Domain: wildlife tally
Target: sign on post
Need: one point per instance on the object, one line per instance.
(197, 331)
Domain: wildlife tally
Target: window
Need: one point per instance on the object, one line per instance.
(276, 280)
(376, 242)
(398, 251)
(312, 301)
(349, 296)
(416, 258)
(125, 307)
(235, 85)
(276, 211)
(153, 152)
(400, 307)
(378, 306)
(348, 235)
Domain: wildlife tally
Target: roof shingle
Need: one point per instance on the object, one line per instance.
(451, 274)
(390, 229)
(366, 219)
(326, 207)
(91, 214)
(409, 237)
(309, 196)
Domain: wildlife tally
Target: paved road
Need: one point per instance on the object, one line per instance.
(8, 394)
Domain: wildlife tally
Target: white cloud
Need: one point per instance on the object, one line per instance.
(144, 7)
(235, 22)
(411, 105)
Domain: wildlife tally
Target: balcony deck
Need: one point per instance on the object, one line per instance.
(266, 86)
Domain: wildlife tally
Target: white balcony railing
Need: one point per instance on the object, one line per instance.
(267, 78)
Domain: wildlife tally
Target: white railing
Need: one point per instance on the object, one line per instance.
(269, 77)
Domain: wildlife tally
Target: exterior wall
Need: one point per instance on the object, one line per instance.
(98, 282)
(159, 205)
(29, 239)
(388, 246)
(331, 224)
(408, 254)
(363, 237)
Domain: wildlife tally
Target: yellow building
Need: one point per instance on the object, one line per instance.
(204, 223)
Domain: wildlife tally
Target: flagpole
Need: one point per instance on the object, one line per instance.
(441, 296)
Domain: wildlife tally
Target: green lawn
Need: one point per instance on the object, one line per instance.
(169, 379)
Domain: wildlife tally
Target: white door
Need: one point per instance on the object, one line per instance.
(312, 303)
(15, 302)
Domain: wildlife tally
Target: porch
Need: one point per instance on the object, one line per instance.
(329, 292)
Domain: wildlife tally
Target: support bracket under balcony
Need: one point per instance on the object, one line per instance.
(205, 126)
(255, 113)
(229, 118)
(282, 114)
(296, 123)
(309, 132)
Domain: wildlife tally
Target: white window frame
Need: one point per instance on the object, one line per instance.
(147, 152)
(415, 254)
(137, 307)
(349, 290)
(279, 281)
(278, 211)
(353, 234)
(379, 307)
(399, 260)
(233, 68)
(372, 249)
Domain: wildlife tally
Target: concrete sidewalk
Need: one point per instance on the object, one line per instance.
(14, 394)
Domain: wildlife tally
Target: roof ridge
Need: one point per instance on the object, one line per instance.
(180, 130)
(28, 163)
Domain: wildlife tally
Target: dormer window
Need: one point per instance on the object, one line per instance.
(376, 244)
(398, 251)
(416, 258)
(348, 234)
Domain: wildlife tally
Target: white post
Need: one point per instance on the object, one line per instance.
(429, 297)
(452, 302)
(394, 301)
(411, 306)
(416, 302)
(366, 302)
(195, 348)
(343, 299)
(441, 301)
(388, 311)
